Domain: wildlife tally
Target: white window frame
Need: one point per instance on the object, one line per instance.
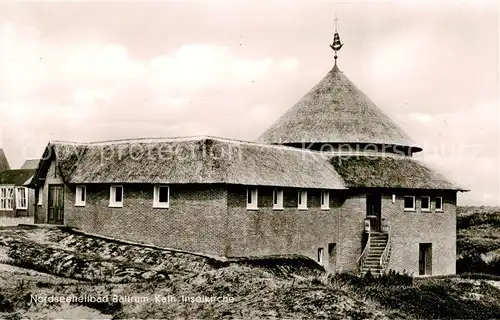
(254, 196)
(6, 201)
(19, 198)
(321, 252)
(80, 190)
(442, 204)
(40, 196)
(428, 209)
(302, 200)
(112, 197)
(278, 199)
(409, 209)
(156, 197)
(325, 200)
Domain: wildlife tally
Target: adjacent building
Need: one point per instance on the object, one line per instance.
(17, 202)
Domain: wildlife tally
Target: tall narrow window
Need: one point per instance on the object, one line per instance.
(6, 198)
(252, 196)
(40, 196)
(320, 256)
(439, 204)
(409, 202)
(161, 197)
(21, 198)
(116, 196)
(302, 201)
(425, 203)
(325, 200)
(80, 196)
(278, 199)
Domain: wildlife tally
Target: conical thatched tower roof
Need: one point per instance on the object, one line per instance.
(335, 111)
(4, 164)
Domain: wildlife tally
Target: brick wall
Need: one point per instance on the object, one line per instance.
(267, 231)
(195, 220)
(353, 213)
(409, 229)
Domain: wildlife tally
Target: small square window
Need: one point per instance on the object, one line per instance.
(325, 200)
(439, 204)
(252, 199)
(80, 196)
(425, 203)
(161, 197)
(409, 202)
(278, 199)
(116, 196)
(302, 201)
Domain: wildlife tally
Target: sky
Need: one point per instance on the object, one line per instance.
(111, 70)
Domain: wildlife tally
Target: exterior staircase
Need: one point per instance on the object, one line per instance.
(378, 242)
(377, 251)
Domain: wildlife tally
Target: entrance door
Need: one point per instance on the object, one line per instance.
(332, 257)
(425, 259)
(55, 214)
(374, 210)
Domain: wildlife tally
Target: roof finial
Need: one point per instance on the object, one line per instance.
(336, 45)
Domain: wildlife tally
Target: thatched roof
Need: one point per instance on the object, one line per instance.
(336, 111)
(15, 177)
(30, 164)
(389, 172)
(4, 164)
(190, 160)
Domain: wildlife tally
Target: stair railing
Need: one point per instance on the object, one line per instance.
(384, 258)
(364, 254)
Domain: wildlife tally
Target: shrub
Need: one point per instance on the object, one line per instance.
(474, 263)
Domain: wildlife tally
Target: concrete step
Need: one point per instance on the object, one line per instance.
(372, 259)
(372, 265)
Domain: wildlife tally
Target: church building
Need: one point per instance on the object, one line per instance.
(333, 179)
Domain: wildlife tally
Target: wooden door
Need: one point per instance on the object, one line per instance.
(55, 214)
(332, 257)
(425, 259)
(374, 210)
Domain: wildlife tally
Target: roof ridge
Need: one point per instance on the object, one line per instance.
(186, 138)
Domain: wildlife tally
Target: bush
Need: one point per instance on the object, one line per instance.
(474, 263)
(392, 278)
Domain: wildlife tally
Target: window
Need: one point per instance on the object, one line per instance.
(80, 196)
(278, 199)
(325, 200)
(439, 204)
(161, 197)
(21, 198)
(252, 199)
(302, 202)
(425, 203)
(6, 198)
(320, 256)
(116, 196)
(409, 203)
(40, 196)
